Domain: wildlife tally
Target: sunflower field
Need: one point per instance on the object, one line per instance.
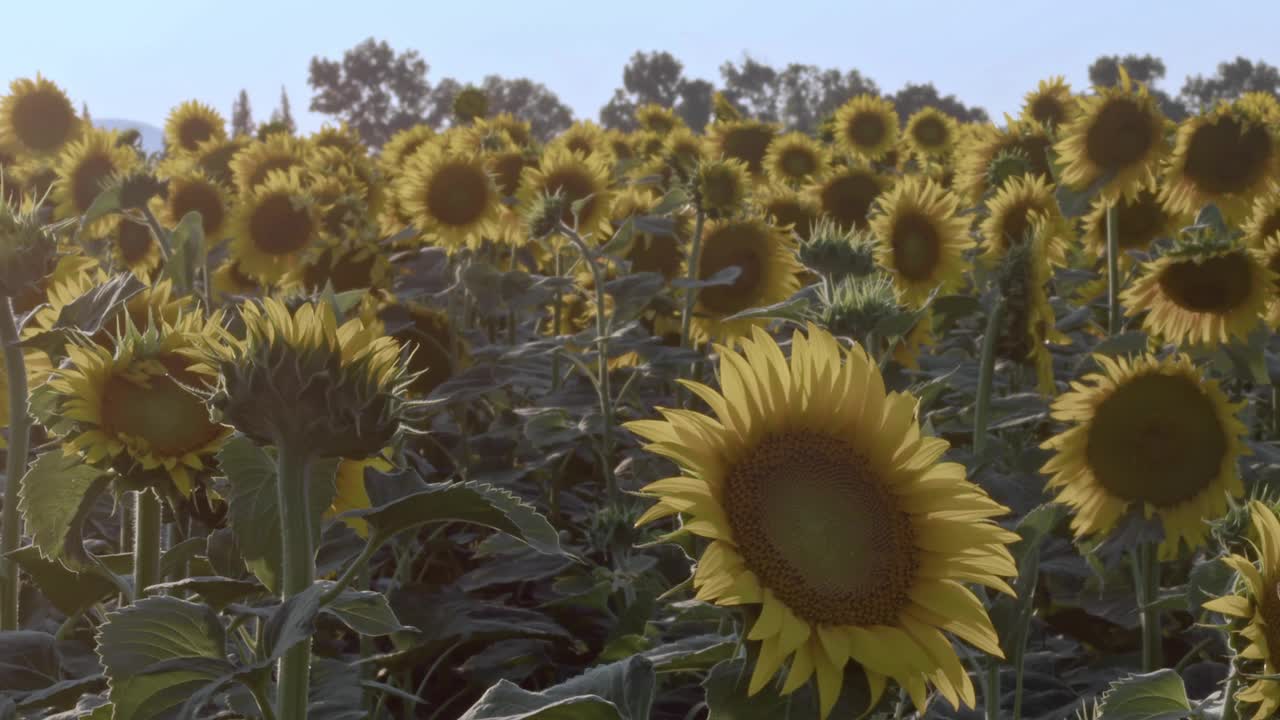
(916, 419)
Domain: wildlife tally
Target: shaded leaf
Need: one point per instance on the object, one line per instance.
(1159, 695)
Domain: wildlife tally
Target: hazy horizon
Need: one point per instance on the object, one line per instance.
(989, 58)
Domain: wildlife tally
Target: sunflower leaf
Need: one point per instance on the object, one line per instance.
(187, 241)
(54, 496)
(69, 591)
(110, 200)
(1159, 695)
(622, 690)
(88, 314)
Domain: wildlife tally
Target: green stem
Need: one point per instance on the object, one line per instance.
(1229, 693)
(299, 561)
(986, 373)
(691, 293)
(15, 367)
(993, 689)
(1275, 411)
(557, 309)
(1146, 578)
(1113, 272)
(146, 542)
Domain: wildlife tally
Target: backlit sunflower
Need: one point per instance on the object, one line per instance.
(847, 195)
(1117, 139)
(722, 186)
(1155, 435)
(130, 406)
(276, 227)
(191, 190)
(1140, 221)
(450, 197)
(1012, 212)
(402, 145)
(1258, 602)
(84, 168)
(190, 124)
(828, 509)
(657, 118)
(922, 237)
(1264, 220)
(931, 132)
(789, 209)
(252, 164)
(1204, 298)
(794, 159)
(583, 137)
(867, 127)
(576, 178)
(745, 140)
(983, 147)
(1225, 157)
(768, 274)
(37, 116)
(1051, 104)
(341, 137)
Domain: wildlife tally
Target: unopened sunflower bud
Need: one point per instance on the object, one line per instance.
(27, 250)
(470, 104)
(542, 217)
(859, 305)
(1005, 165)
(838, 253)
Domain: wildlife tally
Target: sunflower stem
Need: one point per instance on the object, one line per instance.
(1113, 272)
(557, 309)
(1147, 582)
(986, 373)
(993, 689)
(1229, 692)
(691, 293)
(15, 367)
(1275, 410)
(146, 541)
(299, 561)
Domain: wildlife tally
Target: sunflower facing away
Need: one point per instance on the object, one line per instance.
(84, 168)
(1259, 604)
(827, 508)
(922, 238)
(931, 132)
(1204, 298)
(1117, 139)
(1050, 104)
(37, 116)
(190, 124)
(768, 274)
(867, 127)
(794, 159)
(1148, 433)
(1225, 157)
(276, 227)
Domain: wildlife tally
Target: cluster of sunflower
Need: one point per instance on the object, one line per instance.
(828, 513)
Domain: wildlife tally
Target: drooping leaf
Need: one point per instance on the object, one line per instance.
(217, 592)
(88, 313)
(69, 591)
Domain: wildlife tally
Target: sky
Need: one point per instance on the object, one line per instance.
(136, 59)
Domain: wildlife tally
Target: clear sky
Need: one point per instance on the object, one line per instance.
(135, 59)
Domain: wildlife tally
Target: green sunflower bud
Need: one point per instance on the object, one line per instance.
(470, 104)
(28, 250)
(1007, 164)
(859, 305)
(543, 215)
(833, 251)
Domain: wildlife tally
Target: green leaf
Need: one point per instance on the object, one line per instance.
(724, 276)
(188, 253)
(1127, 343)
(108, 201)
(795, 308)
(618, 691)
(158, 652)
(1209, 579)
(672, 201)
(87, 313)
(294, 621)
(64, 694)
(253, 507)
(1159, 695)
(28, 660)
(620, 243)
(698, 652)
(54, 496)
(1011, 615)
(365, 612)
(217, 592)
(469, 501)
(69, 591)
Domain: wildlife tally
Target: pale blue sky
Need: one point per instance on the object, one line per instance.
(137, 58)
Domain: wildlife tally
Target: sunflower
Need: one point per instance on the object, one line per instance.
(745, 140)
(190, 124)
(1140, 221)
(355, 171)
(576, 178)
(984, 147)
(450, 197)
(230, 282)
(1117, 139)
(348, 266)
(402, 145)
(867, 127)
(156, 303)
(439, 351)
(134, 246)
(520, 131)
(1051, 104)
(584, 138)
(276, 227)
(722, 186)
(907, 351)
(768, 273)
(251, 165)
(621, 145)
(657, 118)
(1264, 220)
(848, 195)
(1203, 298)
(506, 166)
(684, 149)
(214, 157)
(1012, 212)
(84, 168)
(37, 116)
(794, 158)
(650, 251)
(38, 370)
(931, 133)
(1260, 104)
(1269, 255)
(788, 208)
(1224, 157)
(343, 138)
(1148, 433)
(1259, 604)
(923, 238)
(828, 509)
(351, 493)
(191, 190)
(131, 407)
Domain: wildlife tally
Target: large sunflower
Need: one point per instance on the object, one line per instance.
(768, 274)
(923, 238)
(867, 127)
(1151, 434)
(252, 164)
(1118, 138)
(931, 132)
(134, 246)
(190, 124)
(847, 196)
(576, 178)
(795, 159)
(450, 197)
(1051, 104)
(1224, 157)
(276, 227)
(37, 116)
(1264, 220)
(84, 168)
(1203, 298)
(745, 140)
(130, 406)
(1259, 604)
(829, 510)
(191, 190)
(1012, 213)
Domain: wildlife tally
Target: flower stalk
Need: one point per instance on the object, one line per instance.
(146, 542)
(19, 430)
(299, 561)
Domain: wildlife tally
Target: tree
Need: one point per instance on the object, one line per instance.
(806, 93)
(373, 89)
(657, 77)
(914, 97)
(1234, 79)
(751, 88)
(241, 115)
(546, 114)
(1145, 69)
(282, 116)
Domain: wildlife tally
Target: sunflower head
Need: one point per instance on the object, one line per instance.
(37, 116)
(469, 104)
(190, 124)
(657, 118)
(683, 150)
(652, 250)
(745, 140)
(1149, 434)
(789, 208)
(342, 137)
(402, 145)
(1013, 211)
(84, 169)
(1051, 104)
(847, 196)
(28, 250)
(254, 162)
(584, 138)
(1226, 157)
(193, 190)
(721, 186)
(923, 238)
(810, 454)
(794, 159)
(859, 304)
(989, 156)
(213, 158)
(767, 274)
(836, 252)
(579, 180)
(1140, 220)
(298, 377)
(1264, 219)
(931, 132)
(276, 227)
(867, 127)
